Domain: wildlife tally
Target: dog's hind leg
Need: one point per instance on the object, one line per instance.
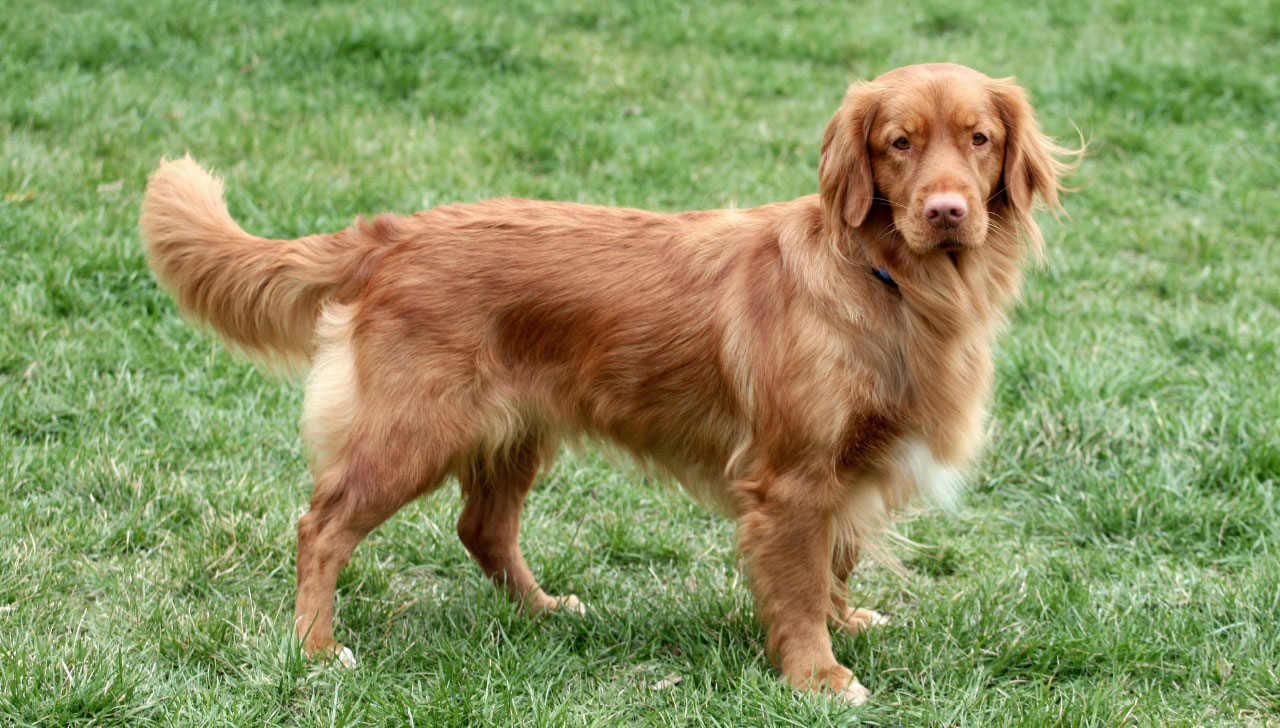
(380, 467)
(495, 486)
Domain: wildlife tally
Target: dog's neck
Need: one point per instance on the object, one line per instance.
(958, 293)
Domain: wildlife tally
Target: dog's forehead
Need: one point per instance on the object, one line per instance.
(928, 100)
(930, 70)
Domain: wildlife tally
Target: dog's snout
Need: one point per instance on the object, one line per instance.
(945, 210)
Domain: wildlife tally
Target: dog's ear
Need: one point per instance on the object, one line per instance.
(845, 183)
(1031, 165)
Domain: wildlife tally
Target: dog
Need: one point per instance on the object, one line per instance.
(809, 367)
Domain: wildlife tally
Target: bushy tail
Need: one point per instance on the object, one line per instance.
(260, 295)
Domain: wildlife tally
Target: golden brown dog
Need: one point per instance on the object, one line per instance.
(809, 366)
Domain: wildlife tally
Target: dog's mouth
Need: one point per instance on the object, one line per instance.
(926, 240)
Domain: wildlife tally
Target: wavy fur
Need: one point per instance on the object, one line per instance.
(755, 355)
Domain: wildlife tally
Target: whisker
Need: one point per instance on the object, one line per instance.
(887, 201)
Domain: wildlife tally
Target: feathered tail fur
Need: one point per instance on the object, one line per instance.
(262, 296)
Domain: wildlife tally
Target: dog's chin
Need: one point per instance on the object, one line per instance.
(953, 242)
(939, 244)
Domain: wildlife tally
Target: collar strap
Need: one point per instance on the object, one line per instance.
(881, 272)
(883, 275)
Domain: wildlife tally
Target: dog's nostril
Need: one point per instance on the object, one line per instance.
(946, 209)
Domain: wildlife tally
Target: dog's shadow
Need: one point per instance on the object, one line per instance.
(463, 626)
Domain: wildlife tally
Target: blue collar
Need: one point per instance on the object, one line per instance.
(883, 275)
(881, 272)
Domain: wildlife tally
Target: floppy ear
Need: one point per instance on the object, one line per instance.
(845, 184)
(1031, 168)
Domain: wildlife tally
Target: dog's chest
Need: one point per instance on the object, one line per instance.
(935, 481)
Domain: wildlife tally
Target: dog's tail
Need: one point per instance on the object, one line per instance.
(262, 296)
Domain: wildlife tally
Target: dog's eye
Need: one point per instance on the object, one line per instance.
(902, 143)
(979, 139)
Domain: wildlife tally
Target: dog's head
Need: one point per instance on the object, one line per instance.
(940, 152)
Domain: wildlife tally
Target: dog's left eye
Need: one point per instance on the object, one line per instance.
(979, 139)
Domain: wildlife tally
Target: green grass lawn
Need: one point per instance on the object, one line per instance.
(1115, 559)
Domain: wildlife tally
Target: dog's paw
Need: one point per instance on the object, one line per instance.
(836, 681)
(572, 604)
(543, 603)
(569, 604)
(857, 620)
(335, 655)
(855, 693)
(343, 658)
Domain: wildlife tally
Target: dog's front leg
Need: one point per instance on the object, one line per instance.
(784, 527)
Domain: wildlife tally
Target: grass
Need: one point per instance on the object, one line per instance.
(1115, 562)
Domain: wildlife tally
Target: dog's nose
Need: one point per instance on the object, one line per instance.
(945, 210)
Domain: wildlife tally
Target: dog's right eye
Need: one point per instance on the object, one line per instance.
(902, 143)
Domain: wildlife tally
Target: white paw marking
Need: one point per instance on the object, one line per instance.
(572, 604)
(859, 620)
(855, 693)
(877, 619)
(345, 659)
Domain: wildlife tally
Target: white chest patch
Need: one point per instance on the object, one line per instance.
(938, 483)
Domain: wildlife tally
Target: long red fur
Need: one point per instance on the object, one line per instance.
(754, 355)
